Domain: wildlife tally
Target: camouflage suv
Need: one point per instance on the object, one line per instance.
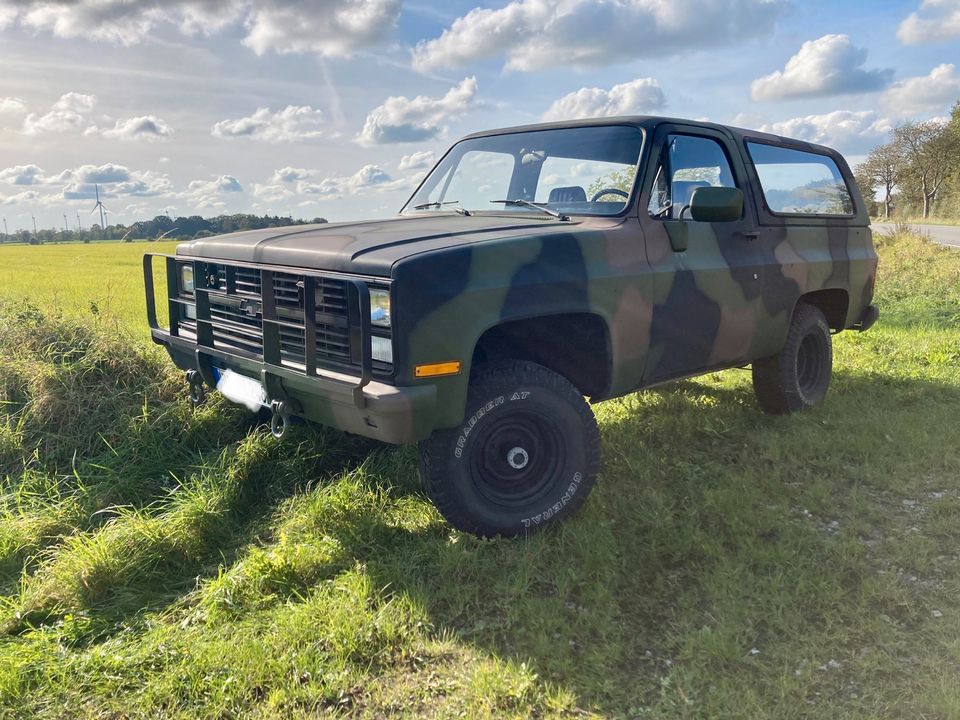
(532, 267)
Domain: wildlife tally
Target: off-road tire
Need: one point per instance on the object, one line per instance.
(526, 455)
(797, 378)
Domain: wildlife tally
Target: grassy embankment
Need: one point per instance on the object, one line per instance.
(155, 561)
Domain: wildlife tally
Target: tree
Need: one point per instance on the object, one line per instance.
(928, 149)
(882, 170)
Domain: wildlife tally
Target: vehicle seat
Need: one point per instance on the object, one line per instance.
(683, 192)
(572, 194)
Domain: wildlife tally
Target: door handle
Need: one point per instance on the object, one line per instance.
(751, 234)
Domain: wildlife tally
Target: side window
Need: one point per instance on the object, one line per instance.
(687, 162)
(796, 182)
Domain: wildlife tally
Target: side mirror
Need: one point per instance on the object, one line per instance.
(716, 204)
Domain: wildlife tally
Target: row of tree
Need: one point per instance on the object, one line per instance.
(917, 172)
(162, 226)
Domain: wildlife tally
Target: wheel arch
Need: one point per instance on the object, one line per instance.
(575, 345)
(834, 303)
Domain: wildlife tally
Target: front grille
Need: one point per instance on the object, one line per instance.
(236, 300)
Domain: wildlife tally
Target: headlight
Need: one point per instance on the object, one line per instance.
(380, 308)
(186, 278)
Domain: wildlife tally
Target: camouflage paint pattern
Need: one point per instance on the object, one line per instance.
(723, 302)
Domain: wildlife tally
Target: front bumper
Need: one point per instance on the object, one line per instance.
(358, 405)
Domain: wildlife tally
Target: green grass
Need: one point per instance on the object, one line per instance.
(81, 280)
(161, 562)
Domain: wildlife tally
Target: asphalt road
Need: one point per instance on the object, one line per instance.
(943, 234)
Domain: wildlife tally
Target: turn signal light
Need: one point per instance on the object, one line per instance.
(435, 369)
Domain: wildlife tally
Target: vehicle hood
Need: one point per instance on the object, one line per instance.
(369, 247)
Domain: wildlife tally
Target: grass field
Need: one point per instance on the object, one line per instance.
(161, 562)
(80, 280)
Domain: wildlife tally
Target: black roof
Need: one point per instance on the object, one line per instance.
(649, 122)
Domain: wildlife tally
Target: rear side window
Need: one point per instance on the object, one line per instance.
(795, 182)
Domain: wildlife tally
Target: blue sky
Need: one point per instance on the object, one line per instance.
(335, 108)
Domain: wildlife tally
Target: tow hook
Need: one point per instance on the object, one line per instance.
(198, 393)
(280, 420)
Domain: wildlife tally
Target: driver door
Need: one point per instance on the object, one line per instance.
(707, 297)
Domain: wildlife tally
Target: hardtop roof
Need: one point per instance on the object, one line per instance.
(650, 122)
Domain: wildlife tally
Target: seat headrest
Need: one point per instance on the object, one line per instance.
(575, 193)
(683, 190)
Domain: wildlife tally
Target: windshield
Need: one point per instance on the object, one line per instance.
(577, 171)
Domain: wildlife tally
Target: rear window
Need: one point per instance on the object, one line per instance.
(796, 182)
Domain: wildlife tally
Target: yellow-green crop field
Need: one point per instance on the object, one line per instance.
(161, 561)
(80, 280)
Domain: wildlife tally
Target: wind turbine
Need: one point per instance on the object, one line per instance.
(99, 206)
(79, 225)
(5, 233)
(66, 228)
(34, 225)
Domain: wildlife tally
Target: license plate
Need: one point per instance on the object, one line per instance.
(241, 390)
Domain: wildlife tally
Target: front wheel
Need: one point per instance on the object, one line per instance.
(797, 378)
(526, 456)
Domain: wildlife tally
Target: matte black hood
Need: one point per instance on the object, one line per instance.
(368, 248)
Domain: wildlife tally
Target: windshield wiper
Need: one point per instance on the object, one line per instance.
(536, 206)
(424, 206)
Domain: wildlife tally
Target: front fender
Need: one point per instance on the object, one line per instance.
(446, 300)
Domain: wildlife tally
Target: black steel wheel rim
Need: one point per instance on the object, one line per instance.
(515, 459)
(809, 363)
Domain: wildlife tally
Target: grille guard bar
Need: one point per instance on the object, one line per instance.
(273, 371)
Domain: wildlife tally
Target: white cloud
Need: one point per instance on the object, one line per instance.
(540, 34)
(91, 174)
(329, 28)
(935, 92)
(114, 181)
(325, 27)
(629, 98)
(289, 182)
(933, 21)
(81, 183)
(401, 119)
(293, 123)
(420, 160)
(209, 194)
(12, 105)
(27, 196)
(145, 127)
(222, 184)
(23, 175)
(67, 114)
(844, 130)
(292, 174)
(830, 65)
(272, 193)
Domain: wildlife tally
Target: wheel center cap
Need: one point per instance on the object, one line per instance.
(518, 458)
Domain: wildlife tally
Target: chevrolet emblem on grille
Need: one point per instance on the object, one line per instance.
(250, 307)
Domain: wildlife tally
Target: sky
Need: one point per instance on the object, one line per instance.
(336, 108)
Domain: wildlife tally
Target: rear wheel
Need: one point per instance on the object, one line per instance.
(797, 378)
(526, 456)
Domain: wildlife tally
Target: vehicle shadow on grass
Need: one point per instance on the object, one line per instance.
(698, 487)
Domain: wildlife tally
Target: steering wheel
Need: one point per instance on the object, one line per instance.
(610, 191)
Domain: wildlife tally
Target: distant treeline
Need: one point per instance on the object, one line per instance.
(162, 226)
(917, 172)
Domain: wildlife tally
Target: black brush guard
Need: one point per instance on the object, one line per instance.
(270, 359)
